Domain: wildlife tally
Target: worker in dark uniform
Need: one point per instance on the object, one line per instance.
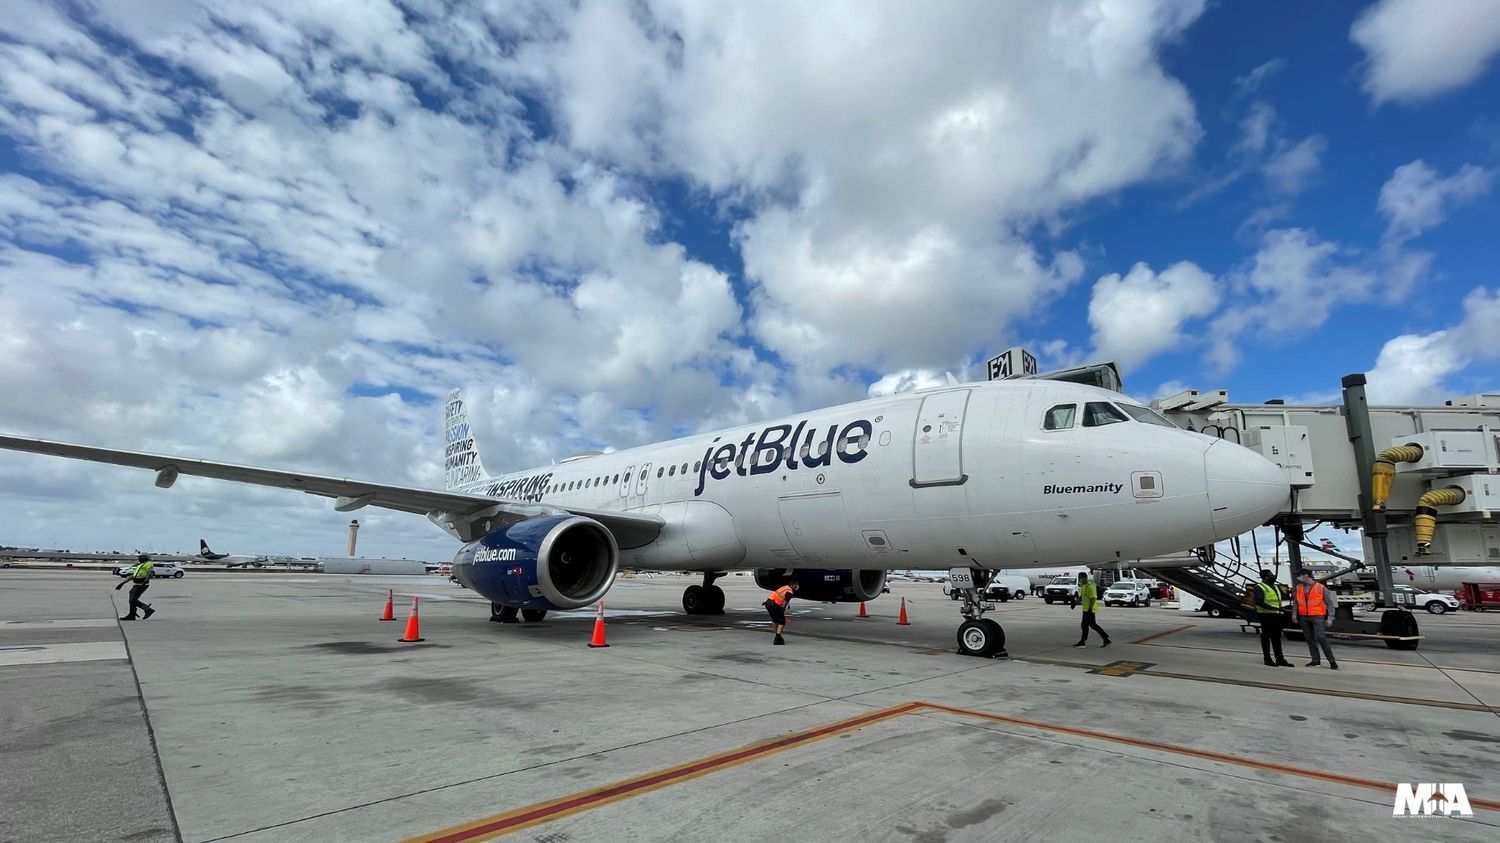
(1088, 598)
(140, 577)
(776, 603)
(1268, 612)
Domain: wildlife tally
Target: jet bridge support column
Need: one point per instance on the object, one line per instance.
(1291, 527)
(1357, 418)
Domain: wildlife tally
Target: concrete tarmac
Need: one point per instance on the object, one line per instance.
(280, 709)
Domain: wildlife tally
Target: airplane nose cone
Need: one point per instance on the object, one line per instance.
(1244, 488)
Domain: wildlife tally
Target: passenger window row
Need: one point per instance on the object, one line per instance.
(608, 480)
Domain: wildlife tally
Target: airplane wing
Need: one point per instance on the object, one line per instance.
(460, 515)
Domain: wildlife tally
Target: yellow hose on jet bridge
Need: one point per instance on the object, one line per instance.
(1385, 472)
(1425, 521)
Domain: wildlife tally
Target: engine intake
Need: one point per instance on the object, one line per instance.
(551, 562)
(825, 585)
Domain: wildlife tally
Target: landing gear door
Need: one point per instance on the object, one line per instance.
(937, 446)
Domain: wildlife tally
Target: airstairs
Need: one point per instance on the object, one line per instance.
(1219, 581)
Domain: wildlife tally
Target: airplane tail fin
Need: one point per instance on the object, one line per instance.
(461, 465)
(203, 547)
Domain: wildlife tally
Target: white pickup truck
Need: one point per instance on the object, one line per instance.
(1061, 590)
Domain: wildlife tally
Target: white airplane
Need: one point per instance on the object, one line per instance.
(1437, 577)
(982, 476)
(205, 554)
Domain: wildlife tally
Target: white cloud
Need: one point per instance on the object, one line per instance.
(878, 224)
(1419, 368)
(1290, 287)
(907, 380)
(1416, 49)
(1289, 171)
(1141, 314)
(1416, 198)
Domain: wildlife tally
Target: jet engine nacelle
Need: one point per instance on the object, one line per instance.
(823, 585)
(550, 562)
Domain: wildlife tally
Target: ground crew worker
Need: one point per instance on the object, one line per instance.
(1268, 612)
(1313, 607)
(776, 603)
(1088, 597)
(140, 576)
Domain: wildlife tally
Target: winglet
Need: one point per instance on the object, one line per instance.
(952, 381)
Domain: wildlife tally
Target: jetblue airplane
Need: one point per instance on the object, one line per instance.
(976, 477)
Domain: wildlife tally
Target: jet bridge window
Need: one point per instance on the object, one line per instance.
(1060, 417)
(1101, 413)
(1147, 415)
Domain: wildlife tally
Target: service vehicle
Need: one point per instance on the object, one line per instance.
(1127, 593)
(1432, 601)
(1061, 591)
(159, 570)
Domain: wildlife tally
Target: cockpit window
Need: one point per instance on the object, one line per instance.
(1101, 413)
(1060, 417)
(1146, 414)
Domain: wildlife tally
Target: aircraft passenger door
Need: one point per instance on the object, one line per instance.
(640, 483)
(629, 476)
(937, 446)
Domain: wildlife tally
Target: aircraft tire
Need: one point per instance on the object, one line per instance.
(504, 614)
(1397, 622)
(978, 638)
(533, 615)
(695, 600)
(715, 600)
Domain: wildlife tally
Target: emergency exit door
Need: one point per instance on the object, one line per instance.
(937, 446)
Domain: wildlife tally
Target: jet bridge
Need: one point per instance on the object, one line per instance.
(1421, 484)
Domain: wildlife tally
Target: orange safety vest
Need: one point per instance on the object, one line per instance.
(781, 595)
(1310, 601)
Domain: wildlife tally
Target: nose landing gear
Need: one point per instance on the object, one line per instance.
(977, 635)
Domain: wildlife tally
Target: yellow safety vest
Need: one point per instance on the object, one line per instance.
(142, 572)
(1273, 600)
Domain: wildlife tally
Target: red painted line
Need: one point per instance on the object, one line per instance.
(1206, 754)
(1162, 634)
(543, 812)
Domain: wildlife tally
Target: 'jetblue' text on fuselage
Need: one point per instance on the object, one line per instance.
(777, 448)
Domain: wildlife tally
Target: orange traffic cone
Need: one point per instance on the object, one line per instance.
(599, 629)
(862, 612)
(390, 606)
(902, 621)
(413, 633)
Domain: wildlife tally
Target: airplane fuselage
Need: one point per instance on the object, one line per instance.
(983, 475)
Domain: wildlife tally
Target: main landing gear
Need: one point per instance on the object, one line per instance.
(509, 614)
(978, 635)
(706, 599)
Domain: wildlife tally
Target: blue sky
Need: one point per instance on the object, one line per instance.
(278, 235)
